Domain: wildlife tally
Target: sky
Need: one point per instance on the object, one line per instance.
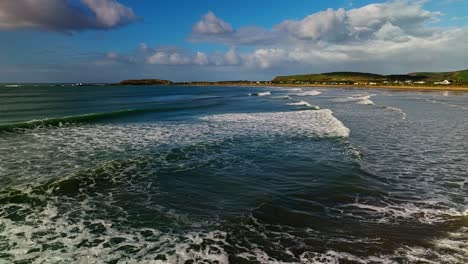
(195, 40)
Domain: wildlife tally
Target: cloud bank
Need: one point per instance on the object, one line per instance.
(391, 37)
(398, 36)
(63, 15)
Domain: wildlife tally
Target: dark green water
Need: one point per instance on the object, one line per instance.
(213, 175)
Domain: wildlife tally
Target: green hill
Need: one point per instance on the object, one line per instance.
(460, 77)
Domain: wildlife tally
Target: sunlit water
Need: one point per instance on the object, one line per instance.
(232, 175)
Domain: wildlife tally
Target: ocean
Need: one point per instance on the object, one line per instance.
(135, 174)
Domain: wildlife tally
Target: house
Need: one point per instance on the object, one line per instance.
(445, 82)
(372, 83)
(420, 82)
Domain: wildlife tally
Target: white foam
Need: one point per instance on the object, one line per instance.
(319, 123)
(304, 104)
(260, 94)
(335, 257)
(176, 248)
(308, 93)
(358, 99)
(388, 213)
(282, 97)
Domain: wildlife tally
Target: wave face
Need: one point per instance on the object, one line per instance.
(211, 175)
(87, 118)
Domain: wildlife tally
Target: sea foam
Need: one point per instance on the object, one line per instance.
(308, 93)
(319, 123)
(260, 94)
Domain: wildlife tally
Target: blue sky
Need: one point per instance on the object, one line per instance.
(110, 40)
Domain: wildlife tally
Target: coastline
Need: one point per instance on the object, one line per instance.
(389, 87)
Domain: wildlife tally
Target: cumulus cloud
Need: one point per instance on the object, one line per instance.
(200, 58)
(213, 29)
(331, 26)
(328, 25)
(390, 32)
(397, 34)
(443, 50)
(167, 58)
(173, 56)
(63, 15)
(231, 57)
(210, 24)
(391, 37)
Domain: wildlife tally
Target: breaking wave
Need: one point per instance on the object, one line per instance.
(358, 99)
(308, 93)
(319, 123)
(260, 94)
(304, 104)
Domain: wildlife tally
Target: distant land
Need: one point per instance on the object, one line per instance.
(146, 82)
(455, 77)
(456, 80)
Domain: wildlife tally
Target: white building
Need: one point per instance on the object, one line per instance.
(445, 82)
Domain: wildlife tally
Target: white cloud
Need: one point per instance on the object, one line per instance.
(200, 58)
(328, 25)
(266, 58)
(231, 57)
(332, 26)
(62, 15)
(174, 56)
(110, 12)
(168, 58)
(390, 32)
(212, 25)
(392, 37)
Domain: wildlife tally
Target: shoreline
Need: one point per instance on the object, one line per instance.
(389, 87)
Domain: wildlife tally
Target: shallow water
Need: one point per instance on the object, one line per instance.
(213, 175)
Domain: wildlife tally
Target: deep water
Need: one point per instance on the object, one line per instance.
(232, 175)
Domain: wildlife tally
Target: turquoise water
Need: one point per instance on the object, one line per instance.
(232, 175)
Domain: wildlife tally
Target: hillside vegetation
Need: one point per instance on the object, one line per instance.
(460, 77)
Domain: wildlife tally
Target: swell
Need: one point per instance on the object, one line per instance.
(89, 118)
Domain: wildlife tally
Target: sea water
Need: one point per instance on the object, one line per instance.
(170, 174)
